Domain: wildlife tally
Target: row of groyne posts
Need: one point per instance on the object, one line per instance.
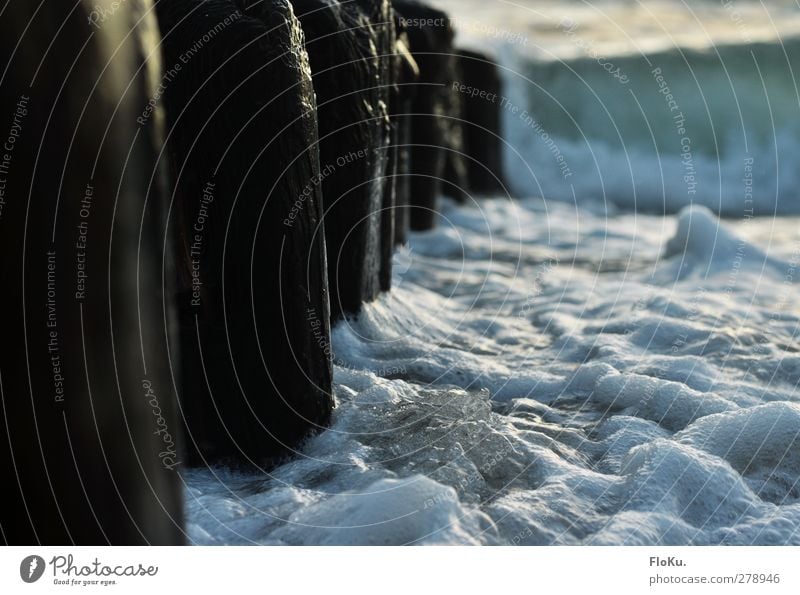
(191, 193)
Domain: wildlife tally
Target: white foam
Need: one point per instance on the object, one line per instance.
(761, 443)
(411, 511)
(682, 483)
(562, 383)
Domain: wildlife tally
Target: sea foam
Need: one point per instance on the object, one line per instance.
(544, 374)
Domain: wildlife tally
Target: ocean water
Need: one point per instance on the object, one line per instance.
(593, 359)
(647, 105)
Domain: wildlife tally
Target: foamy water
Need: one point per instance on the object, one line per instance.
(550, 374)
(651, 105)
(619, 27)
